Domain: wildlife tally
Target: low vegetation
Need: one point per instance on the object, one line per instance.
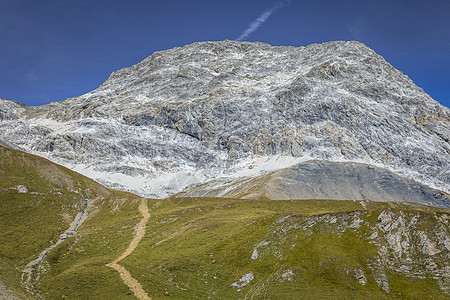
(218, 248)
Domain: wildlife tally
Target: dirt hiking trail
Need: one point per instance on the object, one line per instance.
(139, 232)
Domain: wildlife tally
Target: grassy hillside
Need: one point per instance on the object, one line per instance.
(197, 248)
(38, 201)
(218, 248)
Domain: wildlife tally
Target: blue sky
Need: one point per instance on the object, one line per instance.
(51, 50)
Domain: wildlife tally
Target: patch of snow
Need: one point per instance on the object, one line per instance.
(162, 186)
(258, 165)
(54, 125)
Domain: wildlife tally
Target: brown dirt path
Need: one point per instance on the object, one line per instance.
(139, 233)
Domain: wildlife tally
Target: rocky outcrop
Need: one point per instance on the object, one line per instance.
(187, 115)
(407, 245)
(412, 244)
(10, 110)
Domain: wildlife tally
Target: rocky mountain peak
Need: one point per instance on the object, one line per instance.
(214, 110)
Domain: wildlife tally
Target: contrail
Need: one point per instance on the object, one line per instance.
(260, 20)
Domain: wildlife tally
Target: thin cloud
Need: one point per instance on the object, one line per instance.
(260, 20)
(357, 28)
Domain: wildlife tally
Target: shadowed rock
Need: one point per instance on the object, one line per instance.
(328, 180)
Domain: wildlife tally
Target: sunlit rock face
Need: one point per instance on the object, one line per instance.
(228, 109)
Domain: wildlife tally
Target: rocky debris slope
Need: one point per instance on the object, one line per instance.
(187, 115)
(325, 180)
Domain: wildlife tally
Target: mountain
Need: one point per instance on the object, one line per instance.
(310, 172)
(63, 235)
(224, 111)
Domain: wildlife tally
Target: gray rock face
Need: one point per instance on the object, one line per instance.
(326, 180)
(404, 246)
(187, 115)
(410, 243)
(10, 110)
